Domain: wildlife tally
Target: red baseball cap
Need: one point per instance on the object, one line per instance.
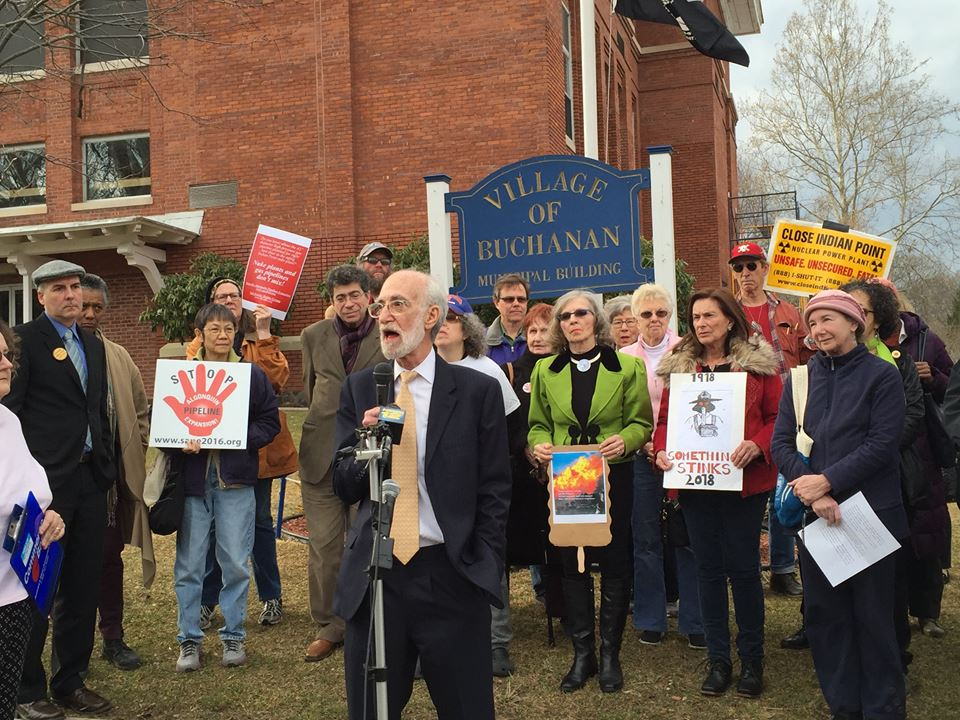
(747, 250)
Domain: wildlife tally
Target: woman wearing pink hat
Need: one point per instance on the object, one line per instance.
(854, 414)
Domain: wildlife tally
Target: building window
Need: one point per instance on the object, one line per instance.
(117, 166)
(567, 73)
(112, 30)
(22, 51)
(23, 176)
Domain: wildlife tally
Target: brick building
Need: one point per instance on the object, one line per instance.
(322, 119)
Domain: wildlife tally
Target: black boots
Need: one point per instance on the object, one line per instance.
(718, 677)
(750, 684)
(614, 599)
(578, 596)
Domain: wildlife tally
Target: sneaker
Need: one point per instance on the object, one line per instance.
(786, 584)
(272, 612)
(651, 637)
(697, 641)
(206, 616)
(931, 628)
(189, 659)
(233, 653)
(121, 655)
(718, 678)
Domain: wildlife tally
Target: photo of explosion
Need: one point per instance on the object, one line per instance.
(578, 486)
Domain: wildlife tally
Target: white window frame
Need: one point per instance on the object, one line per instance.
(124, 199)
(81, 68)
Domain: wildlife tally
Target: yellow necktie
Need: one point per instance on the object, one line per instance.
(406, 513)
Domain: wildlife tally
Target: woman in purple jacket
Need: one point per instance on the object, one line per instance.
(219, 489)
(855, 414)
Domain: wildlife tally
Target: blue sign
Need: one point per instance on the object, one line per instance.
(561, 221)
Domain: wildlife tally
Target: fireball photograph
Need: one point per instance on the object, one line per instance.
(578, 486)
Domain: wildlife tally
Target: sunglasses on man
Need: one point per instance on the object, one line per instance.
(738, 267)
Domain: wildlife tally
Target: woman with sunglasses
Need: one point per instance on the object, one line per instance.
(589, 394)
(653, 308)
(724, 527)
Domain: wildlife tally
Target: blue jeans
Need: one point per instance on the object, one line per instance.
(724, 530)
(231, 512)
(649, 593)
(783, 545)
(266, 573)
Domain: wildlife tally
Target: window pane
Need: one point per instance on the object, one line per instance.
(116, 167)
(112, 30)
(23, 176)
(24, 50)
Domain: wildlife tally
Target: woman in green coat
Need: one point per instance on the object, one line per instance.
(588, 394)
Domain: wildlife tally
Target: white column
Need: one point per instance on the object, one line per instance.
(588, 78)
(439, 229)
(26, 265)
(661, 210)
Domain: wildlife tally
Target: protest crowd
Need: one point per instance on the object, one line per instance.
(542, 442)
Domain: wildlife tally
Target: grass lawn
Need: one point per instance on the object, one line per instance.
(661, 682)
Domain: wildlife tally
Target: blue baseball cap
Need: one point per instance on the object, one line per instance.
(458, 305)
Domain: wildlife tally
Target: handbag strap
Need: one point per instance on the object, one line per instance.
(922, 345)
(798, 377)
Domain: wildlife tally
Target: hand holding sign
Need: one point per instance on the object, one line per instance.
(201, 409)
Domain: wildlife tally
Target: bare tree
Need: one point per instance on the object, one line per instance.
(852, 122)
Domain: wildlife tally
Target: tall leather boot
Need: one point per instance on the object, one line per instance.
(614, 599)
(578, 596)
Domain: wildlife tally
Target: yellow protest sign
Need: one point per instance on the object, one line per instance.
(806, 257)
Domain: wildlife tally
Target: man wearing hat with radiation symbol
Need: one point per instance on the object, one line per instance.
(59, 393)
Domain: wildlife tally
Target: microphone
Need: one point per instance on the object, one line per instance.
(388, 498)
(383, 377)
(390, 414)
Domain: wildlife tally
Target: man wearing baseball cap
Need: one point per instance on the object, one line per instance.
(779, 323)
(376, 259)
(60, 396)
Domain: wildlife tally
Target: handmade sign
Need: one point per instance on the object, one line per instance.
(204, 401)
(273, 270)
(807, 257)
(704, 426)
(579, 498)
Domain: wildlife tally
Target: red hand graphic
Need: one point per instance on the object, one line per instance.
(201, 409)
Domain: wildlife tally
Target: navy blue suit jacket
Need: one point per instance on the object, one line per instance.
(467, 472)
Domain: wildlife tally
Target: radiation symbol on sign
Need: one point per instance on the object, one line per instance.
(876, 265)
(784, 247)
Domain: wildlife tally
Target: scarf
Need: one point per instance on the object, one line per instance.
(350, 339)
(880, 350)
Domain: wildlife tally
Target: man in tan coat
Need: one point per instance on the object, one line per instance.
(332, 349)
(127, 517)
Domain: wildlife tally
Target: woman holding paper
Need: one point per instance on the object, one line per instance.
(20, 475)
(589, 394)
(724, 527)
(854, 414)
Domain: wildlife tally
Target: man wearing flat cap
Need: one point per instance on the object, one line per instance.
(59, 393)
(376, 260)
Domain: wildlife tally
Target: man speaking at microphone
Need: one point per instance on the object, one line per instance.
(449, 519)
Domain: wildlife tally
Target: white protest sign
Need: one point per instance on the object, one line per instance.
(208, 402)
(704, 426)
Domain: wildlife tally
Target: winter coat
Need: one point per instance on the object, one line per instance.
(654, 381)
(855, 415)
(934, 353)
(758, 360)
(499, 348)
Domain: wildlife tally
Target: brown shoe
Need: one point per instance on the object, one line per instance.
(39, 710)
(84, 700)
(319, 650)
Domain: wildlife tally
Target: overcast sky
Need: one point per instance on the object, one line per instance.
(930, 34)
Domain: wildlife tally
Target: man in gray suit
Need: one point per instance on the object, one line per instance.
(332, 349)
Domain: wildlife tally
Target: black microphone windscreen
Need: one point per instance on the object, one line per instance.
(383, 377)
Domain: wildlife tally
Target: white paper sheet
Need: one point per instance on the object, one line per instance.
(856, 543)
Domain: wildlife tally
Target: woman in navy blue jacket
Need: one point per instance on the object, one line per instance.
(219, 489)
(855, 414)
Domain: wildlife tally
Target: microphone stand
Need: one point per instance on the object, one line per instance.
(376, 446)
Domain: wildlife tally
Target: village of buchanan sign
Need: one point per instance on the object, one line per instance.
(561, 221)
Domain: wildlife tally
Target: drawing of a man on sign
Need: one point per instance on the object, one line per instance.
(704, 419)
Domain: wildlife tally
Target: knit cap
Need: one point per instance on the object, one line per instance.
(836, 300)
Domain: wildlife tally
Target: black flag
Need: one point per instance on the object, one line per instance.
(700, 26)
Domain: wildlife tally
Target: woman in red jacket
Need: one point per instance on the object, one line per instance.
(724, 527)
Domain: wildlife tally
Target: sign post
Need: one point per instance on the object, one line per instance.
(661, 211)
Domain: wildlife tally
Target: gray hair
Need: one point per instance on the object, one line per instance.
(650, 291)
(213, 311)
(343, 275)
(434, 294)
(474, 335)
(601, 328)
(616, 306)
(96, 283)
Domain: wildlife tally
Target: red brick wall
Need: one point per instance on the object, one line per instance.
(329, 115)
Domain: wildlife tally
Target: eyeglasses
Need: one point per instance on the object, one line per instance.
(647, 314)
(397, 306)
(579, 313)
(624, 322)
(511, 299)
(9, 355)
(738, 267)
(226, 296)
(229, 331)
(386, 262)
(453, 318)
